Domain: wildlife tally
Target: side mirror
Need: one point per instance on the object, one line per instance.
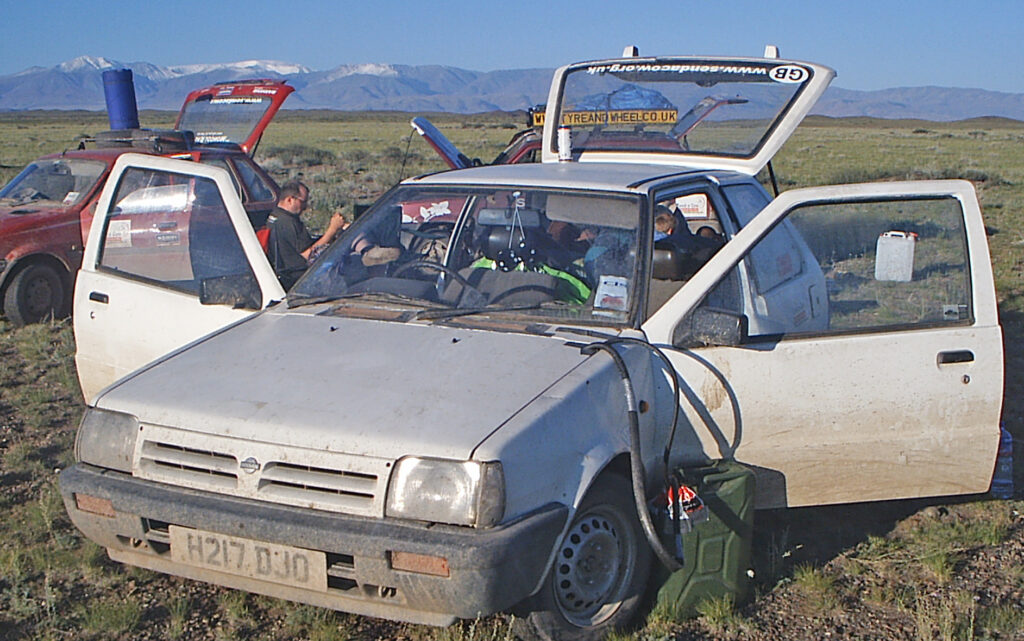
(710, 326)
(240, 291)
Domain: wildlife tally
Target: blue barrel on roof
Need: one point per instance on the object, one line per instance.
(119, 91)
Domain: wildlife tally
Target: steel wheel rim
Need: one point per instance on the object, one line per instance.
(39, 295)
(593, 567)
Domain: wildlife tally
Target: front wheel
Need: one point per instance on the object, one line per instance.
(34, 294)
(599, 574)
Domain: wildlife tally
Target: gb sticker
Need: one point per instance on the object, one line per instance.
(789, 73)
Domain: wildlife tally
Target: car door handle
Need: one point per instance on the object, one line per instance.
(956, 356)
(99, 297)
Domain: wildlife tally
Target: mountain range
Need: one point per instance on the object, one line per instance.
(78, 84)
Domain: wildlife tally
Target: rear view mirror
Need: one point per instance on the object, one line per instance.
(239, 291)
(710, 326)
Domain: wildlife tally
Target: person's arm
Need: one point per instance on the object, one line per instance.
(336, 225)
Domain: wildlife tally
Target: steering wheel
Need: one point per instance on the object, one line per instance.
(475, 295)
(28, 194)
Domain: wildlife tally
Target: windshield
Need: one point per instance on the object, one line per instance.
(546, 255)
(61, 182)
(224, 118)
(721, 108)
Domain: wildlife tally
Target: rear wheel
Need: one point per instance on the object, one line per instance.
(597, 580)
(34, 294)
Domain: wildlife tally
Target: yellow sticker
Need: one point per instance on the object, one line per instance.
(614, 117)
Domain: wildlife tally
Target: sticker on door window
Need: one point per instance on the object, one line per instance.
(119, 233)
(612, 293)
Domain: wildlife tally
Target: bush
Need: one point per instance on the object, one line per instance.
(300, 155)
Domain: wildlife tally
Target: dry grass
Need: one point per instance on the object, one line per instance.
(54, 584)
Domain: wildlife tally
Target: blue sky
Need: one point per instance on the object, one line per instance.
(873, 44)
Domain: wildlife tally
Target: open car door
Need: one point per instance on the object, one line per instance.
(171, 256)
(845, 345)
(233, 112)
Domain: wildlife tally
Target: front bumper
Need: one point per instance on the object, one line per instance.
(489, 570)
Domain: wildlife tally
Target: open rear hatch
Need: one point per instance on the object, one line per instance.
(232, 112)
(700, 112)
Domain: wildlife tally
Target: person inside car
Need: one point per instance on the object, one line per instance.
(291, 247)
(669, 228)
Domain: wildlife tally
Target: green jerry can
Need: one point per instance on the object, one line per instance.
(717, 551)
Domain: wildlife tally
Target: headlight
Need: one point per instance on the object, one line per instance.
(107, 439)
(443, 491)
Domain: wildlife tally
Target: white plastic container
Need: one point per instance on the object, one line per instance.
(894, 256)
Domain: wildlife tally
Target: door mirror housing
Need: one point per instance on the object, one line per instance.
(239, 291)
(710, 326)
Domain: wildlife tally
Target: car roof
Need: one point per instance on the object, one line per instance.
(110, 154)
(105, 155)
(572, 175)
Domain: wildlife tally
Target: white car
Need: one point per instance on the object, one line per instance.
(430, 426)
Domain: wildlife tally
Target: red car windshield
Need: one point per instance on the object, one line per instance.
(59, 182)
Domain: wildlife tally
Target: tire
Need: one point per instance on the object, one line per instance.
(598, 579)
(34, 294)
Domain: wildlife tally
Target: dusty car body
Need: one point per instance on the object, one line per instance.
(426, 430)
(46, 210)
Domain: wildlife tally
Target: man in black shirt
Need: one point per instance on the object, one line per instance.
(291, 247)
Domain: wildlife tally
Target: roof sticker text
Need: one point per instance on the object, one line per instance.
(706, 68)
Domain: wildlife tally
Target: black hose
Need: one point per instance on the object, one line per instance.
(675, 394)
(636, 464)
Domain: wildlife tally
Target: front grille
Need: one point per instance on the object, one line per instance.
(212, 469)
(281, 474)
(344, 489)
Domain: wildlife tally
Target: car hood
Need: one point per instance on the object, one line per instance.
(28, 208)
(362, 387)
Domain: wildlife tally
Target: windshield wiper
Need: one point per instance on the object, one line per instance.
(443, 314)
(384, 296)
(301, 300)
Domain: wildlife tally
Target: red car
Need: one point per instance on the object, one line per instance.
(46, 210)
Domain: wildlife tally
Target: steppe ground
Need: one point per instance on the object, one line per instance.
(904, 570)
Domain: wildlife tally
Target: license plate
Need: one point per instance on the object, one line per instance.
(244, 557)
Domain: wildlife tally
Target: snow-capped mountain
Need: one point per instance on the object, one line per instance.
(78, 84)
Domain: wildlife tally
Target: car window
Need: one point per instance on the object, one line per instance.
(775, 260)
(746, 201)
(538, 253)
(174, 231)
(712, 107)
(687, 233)
(223, 164)
(259, 190)
(859, 266)
(61, 182)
